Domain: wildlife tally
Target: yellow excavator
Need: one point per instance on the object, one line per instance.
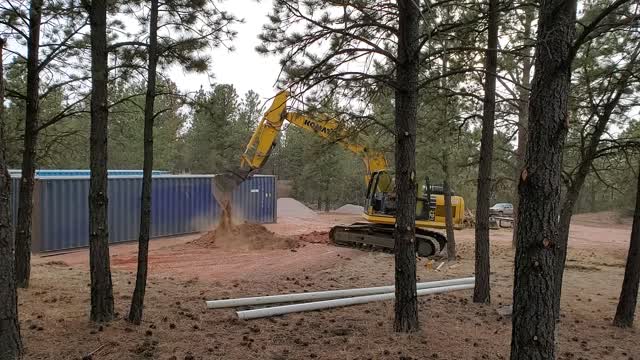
(380, 203)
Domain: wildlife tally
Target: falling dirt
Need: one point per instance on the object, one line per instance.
(244, 237)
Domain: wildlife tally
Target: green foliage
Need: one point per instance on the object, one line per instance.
(126, 123)
(60, 144)
(322, 173)
(187, 30)
(220, 128)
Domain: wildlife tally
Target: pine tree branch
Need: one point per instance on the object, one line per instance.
(591, 27)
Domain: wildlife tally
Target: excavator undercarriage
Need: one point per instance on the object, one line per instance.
(373, 235)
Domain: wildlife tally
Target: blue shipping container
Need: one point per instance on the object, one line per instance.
(181, 204)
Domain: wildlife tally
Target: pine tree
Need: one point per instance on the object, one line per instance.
(10, 340)
(533, 334)
(62, 23)
(205, 26)
(99, 263)
(481, 293)
(626, 309)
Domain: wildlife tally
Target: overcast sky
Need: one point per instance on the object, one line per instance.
(243, 67)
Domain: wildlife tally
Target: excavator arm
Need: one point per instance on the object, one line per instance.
(264, 138)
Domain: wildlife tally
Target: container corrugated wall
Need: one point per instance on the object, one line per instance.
(180, 205)
(255, 200)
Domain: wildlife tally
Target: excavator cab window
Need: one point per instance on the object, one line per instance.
(380, 185)
(385, 182)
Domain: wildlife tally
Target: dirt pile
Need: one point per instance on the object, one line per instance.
(350, 209)
(244, 237)
(291, 207)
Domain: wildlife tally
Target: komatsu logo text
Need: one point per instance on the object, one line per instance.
(316, 126)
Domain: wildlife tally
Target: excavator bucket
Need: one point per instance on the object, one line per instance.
(224, 184)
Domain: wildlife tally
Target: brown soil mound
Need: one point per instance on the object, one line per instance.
(245, 237)
(316, 237)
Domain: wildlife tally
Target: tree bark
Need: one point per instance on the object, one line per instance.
(523, 114)
(137, 301)
(533, 322)
(448, 209)
(482, 290)
(101, 286)
(406, 110)
(629, 293)
(10, 340)
(25, 202)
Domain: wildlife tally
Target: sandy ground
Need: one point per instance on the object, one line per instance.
(54, 310)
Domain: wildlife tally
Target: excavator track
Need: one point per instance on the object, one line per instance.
(428, 242)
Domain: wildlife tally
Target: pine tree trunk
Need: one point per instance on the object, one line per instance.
(533, 329)
(482, 290)
(448, 211)
(137, 301)
(101, 286)
(406, 109)
(629, 293)
(451, 240)
(25, 202)
(523, 115)
(10, 340)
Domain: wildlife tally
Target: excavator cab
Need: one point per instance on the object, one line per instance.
(381, 197)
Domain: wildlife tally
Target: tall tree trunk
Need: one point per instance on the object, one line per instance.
(25, 202)
(406, 111)
(533, 329)
(137, 301)
(523, 113)
(10, 340)
(482, 291)
(448, 211)
(101, 286)
(451, 240)
(629, 293)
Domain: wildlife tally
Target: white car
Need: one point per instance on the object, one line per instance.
(501, 209)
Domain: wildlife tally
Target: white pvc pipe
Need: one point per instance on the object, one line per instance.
(327, 304)
(325, 295)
